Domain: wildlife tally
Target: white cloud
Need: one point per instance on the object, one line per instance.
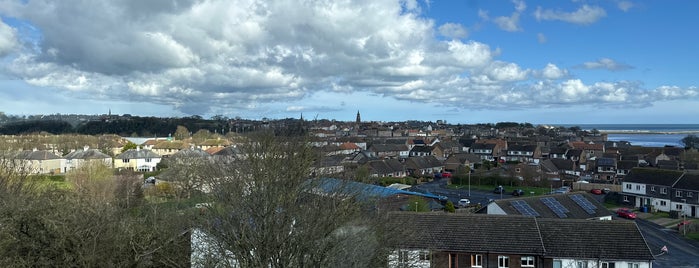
(541, 38)
(605, 63)
(506, 72)
(453, 30)
(584, 15)
(510, 24)
(551, 71)
(520, 6)
(625, 5)
(8, 39)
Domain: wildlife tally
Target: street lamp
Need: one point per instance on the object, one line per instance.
(684, 217)
(469, 182)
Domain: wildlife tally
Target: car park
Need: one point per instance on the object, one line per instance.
(517, 192)
(596, 191)
(626, 213)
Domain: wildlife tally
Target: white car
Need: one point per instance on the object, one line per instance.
(464, 202)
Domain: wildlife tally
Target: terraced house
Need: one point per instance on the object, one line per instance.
(662, 190)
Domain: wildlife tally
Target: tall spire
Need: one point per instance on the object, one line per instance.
(359, 117)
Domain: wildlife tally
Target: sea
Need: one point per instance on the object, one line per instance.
(649, 135)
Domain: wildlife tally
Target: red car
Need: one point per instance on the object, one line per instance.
(626, 213)
(596, 191)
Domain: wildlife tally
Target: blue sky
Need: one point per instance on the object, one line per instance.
(543, 62)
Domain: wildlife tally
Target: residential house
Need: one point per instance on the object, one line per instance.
(530, 153)
(485, 151)
(329, 165)
(579, 157)
(423, 165)
(386, 168)
(590, 149)
(577, 205)
(624, 167)
(213, 143)
(650, 187)
(77, 158)
(170, 147)
(467, 240)
(138, 159)
(605, 167)
(686, 196)
(39, 161)
(458, 162)
(421, 151)
(558, 152)
(390, 150)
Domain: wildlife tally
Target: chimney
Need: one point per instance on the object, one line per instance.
(86, 147)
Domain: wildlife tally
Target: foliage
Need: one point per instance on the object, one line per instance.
(418, 204)
(690, 141)
(93, 179)
(129, 145)
(181, 133)
(449, 207)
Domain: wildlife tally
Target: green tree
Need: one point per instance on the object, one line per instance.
(181, 133)
(690, 141)
(449, 207)
(129, 145)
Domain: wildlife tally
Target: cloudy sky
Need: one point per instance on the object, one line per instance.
(465, 61)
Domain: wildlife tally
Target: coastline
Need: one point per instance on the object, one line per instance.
(654, 132)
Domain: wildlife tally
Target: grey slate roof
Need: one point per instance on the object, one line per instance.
(611, 240)
(689, 181)
(423, 162)
(469, 233)
(137, 154)
(36, 155)
(653, 176)
(574, 210)
(86, 154)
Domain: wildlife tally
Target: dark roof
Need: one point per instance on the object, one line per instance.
(385, 166)
(619, 240)
(422, 162)
(490, 146)
(548, 166)
(190, 153)
(137, 154)
(627, 164)
(468, 233)
(558, 150)
(575, 211)
(87, 154)
(689, 181)
(653, 176)
(421, 149)
(606, 161)
(522, 148)
(36, 155)
(563, 164)
(388, 147)
(574, 152)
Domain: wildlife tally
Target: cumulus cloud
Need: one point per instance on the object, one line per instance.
(253, 55)
(584, 15)
(511, 23)
(8, 39)
(607, 64)
(625, 5)
(453, 30)
(541, 38)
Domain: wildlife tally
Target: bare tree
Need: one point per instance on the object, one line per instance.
(266, 212)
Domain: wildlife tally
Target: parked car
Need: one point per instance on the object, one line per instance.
(606, 190)
(517, 192)
(596, 191)
(499, 190)
(446, 174)
(683, 223)
(626, 213)
(565, 188)
(463, 202)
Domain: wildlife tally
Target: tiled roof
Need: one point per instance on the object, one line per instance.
(690, 181)
(422, 162)
(137, 154)
(587, 146)
(36, 155)
(627, 164)
(469, 233)
(522, 148)
(87, 154)
(564, 164)
(653, 176)
(190, 152)
(610, 240)
(349, 146)
(575, 211)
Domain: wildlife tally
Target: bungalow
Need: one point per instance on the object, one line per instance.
(423, 165)
(138, 159)
(390, 150)
(579, 205)
(39, 161)
(485, 151)
(386, 168)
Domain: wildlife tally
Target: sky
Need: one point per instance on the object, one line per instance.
(461, 61)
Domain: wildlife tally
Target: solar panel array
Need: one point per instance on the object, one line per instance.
(584, 203)
(555, 206)
(524, 208)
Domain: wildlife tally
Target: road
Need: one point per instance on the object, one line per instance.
(439, 187)
(681, 253)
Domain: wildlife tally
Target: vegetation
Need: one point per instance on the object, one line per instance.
(690, 141)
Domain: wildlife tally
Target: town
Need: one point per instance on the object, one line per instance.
(564, 196)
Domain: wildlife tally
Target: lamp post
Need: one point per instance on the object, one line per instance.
(469, 182)
(684, 217)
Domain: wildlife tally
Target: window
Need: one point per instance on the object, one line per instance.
(503, 261)
(634, 265)
(652, 188)
(425, 255)
(528, 261)
(403, 258)
(678, 206)
(626, 198)
(689, 194)
(148, 160)
(607, 265)
(663, 190)
(628, 186)
(477, 260)
(125, 160)
(581, 264)
(638, 187)
(678, 193)
(663, 203)
(557, 264)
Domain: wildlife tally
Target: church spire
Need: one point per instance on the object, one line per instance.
(359, 117)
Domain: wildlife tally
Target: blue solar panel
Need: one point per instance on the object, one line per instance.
(584, 203)
(524, 208)
(555, 206)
